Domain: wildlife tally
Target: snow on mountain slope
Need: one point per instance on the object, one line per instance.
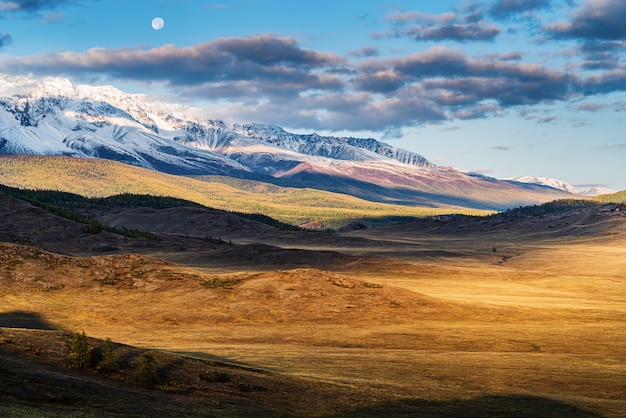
(351, 149)
(596, 191)
(544, 181)
(55, 117)
(58, 118)
(561, 185)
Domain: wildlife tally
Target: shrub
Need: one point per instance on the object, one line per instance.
(371, 285)
(148, 370)
(110, 360)
(80, 352)
(215, 376)
(245, 387)
(216, 282)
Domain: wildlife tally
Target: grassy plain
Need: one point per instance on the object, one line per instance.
(479, 320)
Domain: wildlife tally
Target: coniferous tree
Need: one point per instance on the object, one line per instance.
(80, 352)
(148, 370)
(110, 360)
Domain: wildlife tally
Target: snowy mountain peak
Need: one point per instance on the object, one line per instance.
(596, 191)
(259, 130)
(55, 87)
(561, 185)
(544, 181)
(341, 148)
(54, 116)
(12, 85)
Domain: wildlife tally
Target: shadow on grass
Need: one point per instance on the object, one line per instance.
(223, 361)
(24, 319)
(33, 387)
(483, 407)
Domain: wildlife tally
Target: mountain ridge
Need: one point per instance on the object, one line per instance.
(92, 106)
(56, 117)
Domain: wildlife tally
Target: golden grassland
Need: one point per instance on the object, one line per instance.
(103, 178)
(540, 319)
(483, 320)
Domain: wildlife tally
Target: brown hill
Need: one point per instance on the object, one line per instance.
(27, 224)
(120, 292)
(579, 220)
(186, 221)
(193, 236)
(619, 197)
(150, 286)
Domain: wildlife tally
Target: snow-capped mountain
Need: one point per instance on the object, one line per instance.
(55, 117)
(59, 118)
(596, 191)
(353, 149)
(561, 185)
(544, 181)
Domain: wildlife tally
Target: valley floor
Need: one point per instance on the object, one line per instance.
(402, 320)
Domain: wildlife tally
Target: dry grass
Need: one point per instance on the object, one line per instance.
(546, 323)
(523, 320)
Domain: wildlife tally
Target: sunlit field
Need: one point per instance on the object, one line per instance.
(416, 321)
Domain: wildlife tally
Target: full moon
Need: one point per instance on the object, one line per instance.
(158, 23)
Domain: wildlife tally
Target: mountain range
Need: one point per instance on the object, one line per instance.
(55, 117)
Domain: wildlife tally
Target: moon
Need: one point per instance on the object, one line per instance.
(158, 23)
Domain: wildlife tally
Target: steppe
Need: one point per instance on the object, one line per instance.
(446, 316)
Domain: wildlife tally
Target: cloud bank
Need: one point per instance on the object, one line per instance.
(465, 27)
(274, 79)
(505, 9)
(33, 6)
(593, 20)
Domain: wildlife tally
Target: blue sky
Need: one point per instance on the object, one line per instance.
(501, 87)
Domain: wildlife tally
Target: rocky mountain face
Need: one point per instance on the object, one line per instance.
(56, 117)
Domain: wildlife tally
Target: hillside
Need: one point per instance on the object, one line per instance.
(44, 384)
(619, 197)
(27, 224)
(93, 177)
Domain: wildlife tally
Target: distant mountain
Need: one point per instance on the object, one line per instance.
(596, 191)
(561, 185)
(56, 117)
(544, 181)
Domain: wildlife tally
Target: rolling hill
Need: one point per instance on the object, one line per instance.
(93, 177)
(619, 197)
(516, 314)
